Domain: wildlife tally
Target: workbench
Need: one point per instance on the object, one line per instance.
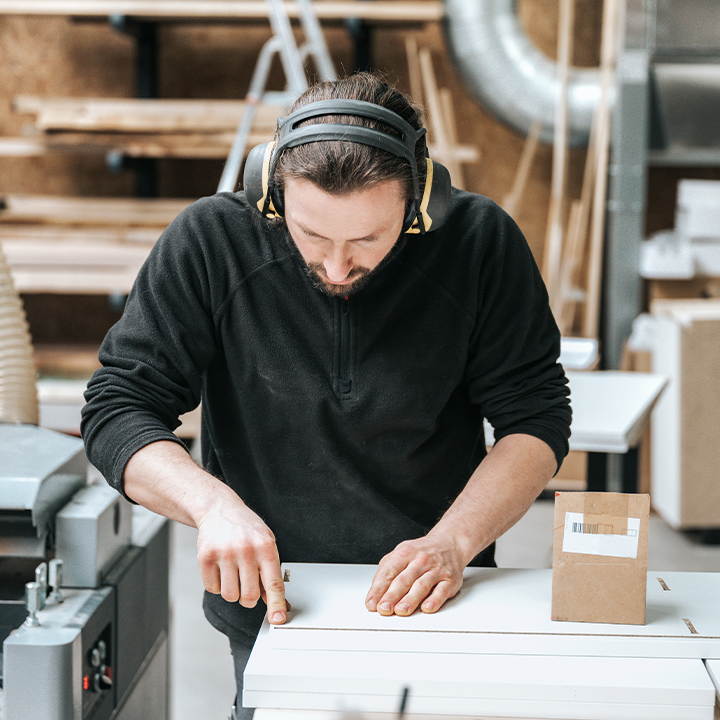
(492, 651)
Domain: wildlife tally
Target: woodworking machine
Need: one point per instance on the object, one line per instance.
(84, 605)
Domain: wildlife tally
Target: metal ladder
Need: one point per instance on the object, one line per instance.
(293, 60)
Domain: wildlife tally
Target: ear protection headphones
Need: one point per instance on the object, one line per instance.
(425, 213)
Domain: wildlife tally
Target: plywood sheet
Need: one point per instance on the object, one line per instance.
(498, 611)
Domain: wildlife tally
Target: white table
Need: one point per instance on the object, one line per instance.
(611, 410)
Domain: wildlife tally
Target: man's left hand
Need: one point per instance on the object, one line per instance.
(420, 573)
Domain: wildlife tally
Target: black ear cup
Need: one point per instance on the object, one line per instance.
(256, 180)
(435, 201)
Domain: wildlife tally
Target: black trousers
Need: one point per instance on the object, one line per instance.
(241, 653)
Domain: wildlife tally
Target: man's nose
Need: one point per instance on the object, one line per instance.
(338, 264)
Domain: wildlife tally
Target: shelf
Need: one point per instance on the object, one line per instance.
(378, 11)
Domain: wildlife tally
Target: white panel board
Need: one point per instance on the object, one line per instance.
(283, 714)
(461, 684)
(713, 668)
(498, 611)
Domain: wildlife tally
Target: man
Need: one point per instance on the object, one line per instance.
(345, 363)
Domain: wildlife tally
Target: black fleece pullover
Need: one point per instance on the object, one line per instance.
(348, 425)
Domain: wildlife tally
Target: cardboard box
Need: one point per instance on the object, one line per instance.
(600, 545)
(686, 422)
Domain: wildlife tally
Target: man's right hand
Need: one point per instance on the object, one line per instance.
(239, 559)
(237, 553)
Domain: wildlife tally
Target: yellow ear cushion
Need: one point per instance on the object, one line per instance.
(427, 191)
(266, 176)
(425, 201)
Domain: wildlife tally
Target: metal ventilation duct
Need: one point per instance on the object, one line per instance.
(508, 75)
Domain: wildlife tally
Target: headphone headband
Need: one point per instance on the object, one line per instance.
(359, 108)
(290, 135)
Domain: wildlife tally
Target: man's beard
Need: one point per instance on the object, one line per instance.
(359, 277)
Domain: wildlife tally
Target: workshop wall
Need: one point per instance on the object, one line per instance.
(59, 57)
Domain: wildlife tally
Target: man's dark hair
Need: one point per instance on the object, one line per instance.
(342, 167)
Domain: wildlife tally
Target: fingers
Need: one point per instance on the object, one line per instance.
(210, 575)
(390, 568)
(273, 591)
(409, 592)
(241, 564)
(410, 578)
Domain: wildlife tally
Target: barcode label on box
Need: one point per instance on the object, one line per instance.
(601, 535)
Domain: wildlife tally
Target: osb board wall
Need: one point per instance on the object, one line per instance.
(58, 57)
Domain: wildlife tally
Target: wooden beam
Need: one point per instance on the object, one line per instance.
(437, 128)
(74, 256)
(591, 318)
(126, 212)
(127, 115)
(570, 296)
(379, 11)
(73, 282)
(66, 360)
(89, 236)
(414, 74)
(513, 199)
(554, 237)
(21, 147)
(213, 146)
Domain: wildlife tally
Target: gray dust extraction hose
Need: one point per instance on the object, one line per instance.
(18, 388)
(509, 76)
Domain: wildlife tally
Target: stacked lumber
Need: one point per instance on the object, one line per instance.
(140, 127)
(80, 246)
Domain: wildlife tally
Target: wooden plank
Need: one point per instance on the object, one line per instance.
(21, 147)
(78, 256)
(145, 116)
(379, 11)
(447, 107)
(73, 283)
(90, 236)
(564, 303)
(414, 74)
(513, 199)
(554, 237)
(462, 153)
(569, 296)
(54, 210)
(437, 127)
(213, 146)
(591, 317)
(66, 360)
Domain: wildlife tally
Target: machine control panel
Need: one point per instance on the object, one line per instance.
(97, 675)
